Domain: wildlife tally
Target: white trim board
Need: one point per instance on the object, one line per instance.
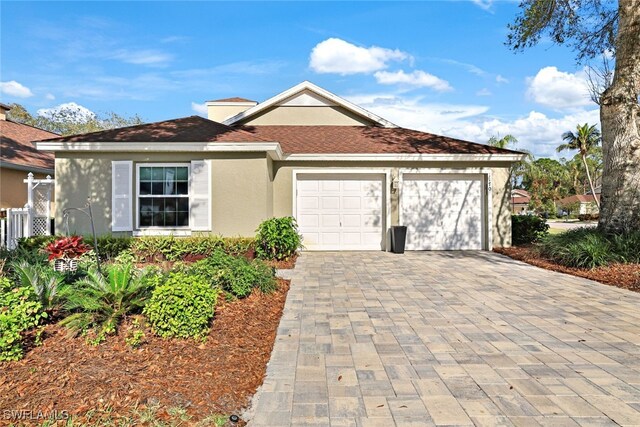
(487, 194)
(385, 173)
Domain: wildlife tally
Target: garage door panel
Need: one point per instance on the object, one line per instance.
(442, 214)
(331, 202)
(340, 211)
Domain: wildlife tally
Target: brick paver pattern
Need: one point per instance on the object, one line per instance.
(435, 338)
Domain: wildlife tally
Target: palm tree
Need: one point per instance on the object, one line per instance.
(584, 140)
(502, 142)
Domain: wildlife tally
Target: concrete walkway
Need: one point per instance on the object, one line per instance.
(434, 338)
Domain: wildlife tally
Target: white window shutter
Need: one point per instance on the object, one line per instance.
(200, 194)
(121, 197)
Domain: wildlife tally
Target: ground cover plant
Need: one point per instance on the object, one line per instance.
(527, 229)
(115, 333)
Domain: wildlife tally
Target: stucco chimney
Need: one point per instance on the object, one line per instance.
(222, 109)
(4, 108)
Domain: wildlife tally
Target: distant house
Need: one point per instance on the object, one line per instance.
(578, 204)
(520, 201)
(18, 157)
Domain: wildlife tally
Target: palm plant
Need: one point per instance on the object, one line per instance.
(584, 140)
(101, 300)
(45, 283)
(503, 142)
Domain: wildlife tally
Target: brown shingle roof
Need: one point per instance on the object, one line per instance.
(16, 145)
(577, 198)
(234, 99)
(366, 139)
(187, 129)
(294, 139)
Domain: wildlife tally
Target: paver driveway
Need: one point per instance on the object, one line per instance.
(433, 338)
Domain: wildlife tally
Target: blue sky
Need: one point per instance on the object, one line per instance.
(439, 66)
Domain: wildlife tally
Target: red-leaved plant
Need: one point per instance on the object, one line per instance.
(67, 247)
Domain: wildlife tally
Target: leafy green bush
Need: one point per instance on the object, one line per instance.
(235, 275)
(182, 307)
(19, 312)
(177, 248)
(278, 238)
(527, 229)
(101, 300)
(587, 247)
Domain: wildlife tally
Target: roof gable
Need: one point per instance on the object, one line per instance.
(307, 94)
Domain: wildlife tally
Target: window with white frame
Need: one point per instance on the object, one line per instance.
(163, 195)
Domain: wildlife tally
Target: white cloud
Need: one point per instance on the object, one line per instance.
(535, 131)
(558, 89)
(49, 97)
(69, 110)
(484, 4)
(338, 56)
(200, 109)
(417, 78)
(501, 79)
(143, 57)
(484, 92)
(13, 88)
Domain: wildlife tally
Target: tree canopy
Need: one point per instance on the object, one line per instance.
(71, 121)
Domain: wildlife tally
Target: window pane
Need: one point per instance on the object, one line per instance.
(158, 174)
(145, 174)
(157, 188)
(183, 204)
(146, 212)
(182, 174)
(183, 219)
(145, 188)
(182, 188)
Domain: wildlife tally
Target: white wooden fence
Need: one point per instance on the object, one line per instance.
(31, 220)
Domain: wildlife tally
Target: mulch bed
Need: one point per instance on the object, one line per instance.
(286, 264)
(217, 376)
(625, 276)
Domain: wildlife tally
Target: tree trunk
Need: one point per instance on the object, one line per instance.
(620, 120)
(593, 190)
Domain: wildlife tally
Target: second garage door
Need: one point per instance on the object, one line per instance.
(340, 212)
(442, 212)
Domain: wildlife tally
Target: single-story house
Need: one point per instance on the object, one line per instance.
(344, 173)
(520, 201)
(579, 204)
(19, 157)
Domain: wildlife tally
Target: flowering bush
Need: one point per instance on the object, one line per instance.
(67, 247)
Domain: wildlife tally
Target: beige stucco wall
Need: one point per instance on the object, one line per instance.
(13, 190)
(219, 113)
(246, 188)
(307, 115)
(240, 188)
(501, 214)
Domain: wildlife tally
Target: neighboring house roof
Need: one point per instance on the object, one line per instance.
(309, 87)
(518, 192)
(18, 150)
(577, 198)
(520, 200)
(187, 129)
(234, 99)
(292, 139)
(366, 139)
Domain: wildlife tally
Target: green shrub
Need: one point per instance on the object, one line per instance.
(527, 229)
(99, 301)
(182, 307)
(109, 247)
(44, 281)
(178, 248)
(278, 238)
(587, 247)
(19, 312)
(235, 275)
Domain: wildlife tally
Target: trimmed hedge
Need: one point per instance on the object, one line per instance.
(526, 229)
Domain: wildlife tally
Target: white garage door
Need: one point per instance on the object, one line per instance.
(340, 212)
(442, 212)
